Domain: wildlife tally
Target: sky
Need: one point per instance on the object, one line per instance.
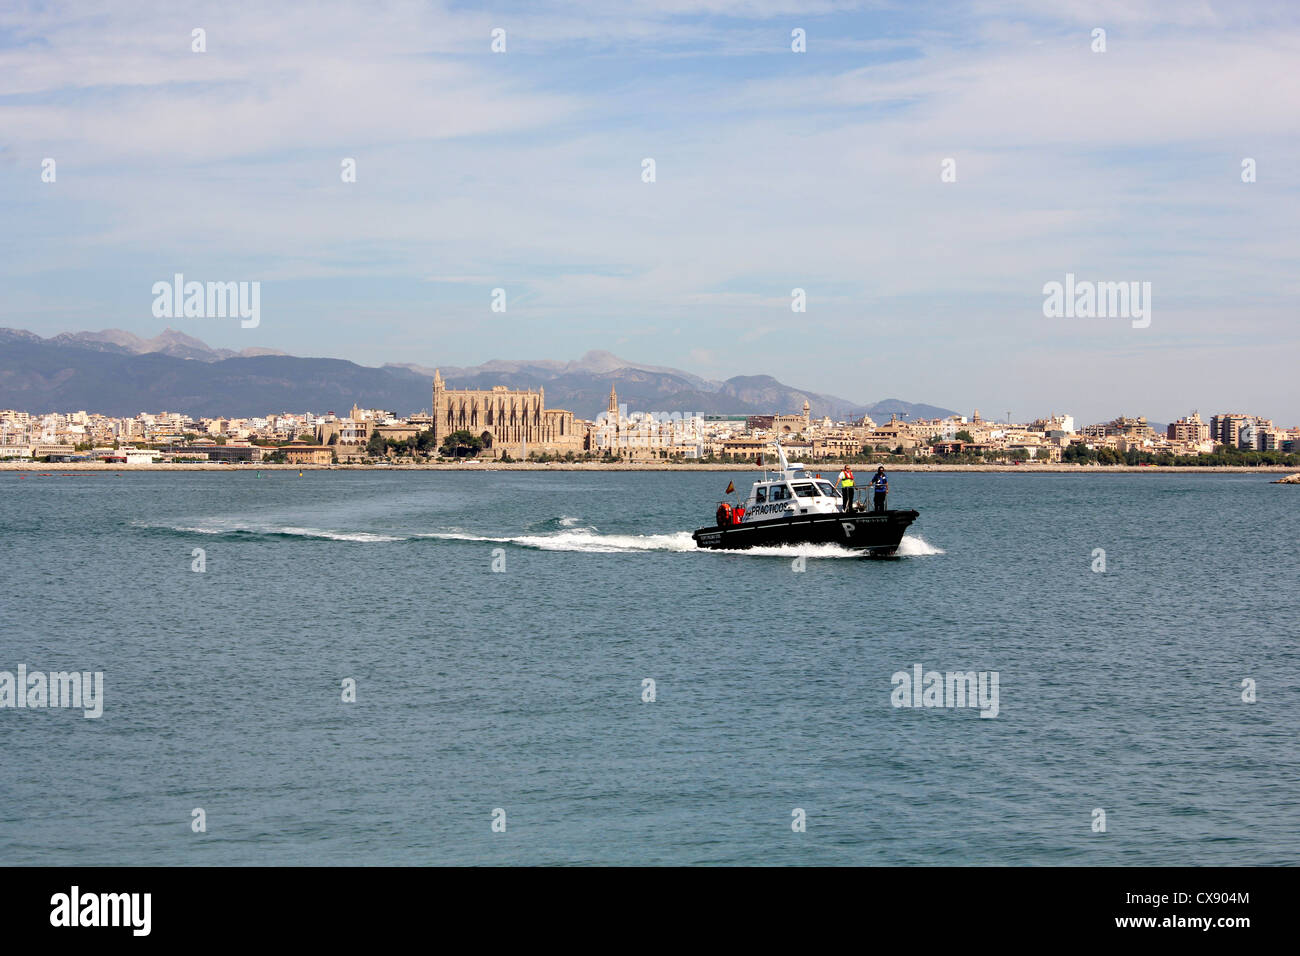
(774, 170)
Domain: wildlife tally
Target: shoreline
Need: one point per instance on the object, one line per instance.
(1051, 469)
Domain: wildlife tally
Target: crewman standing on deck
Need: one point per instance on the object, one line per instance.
(845, 481)
(880, 484)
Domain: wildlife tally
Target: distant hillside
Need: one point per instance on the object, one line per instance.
(121, 374)
(168, 342)
(583, 388)
(880, 411)
(41, 375)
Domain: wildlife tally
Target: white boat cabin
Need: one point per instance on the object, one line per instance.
(791, 491)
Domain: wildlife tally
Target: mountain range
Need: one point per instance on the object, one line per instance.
(121, 374)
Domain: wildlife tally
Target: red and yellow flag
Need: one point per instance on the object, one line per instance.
(731, 487)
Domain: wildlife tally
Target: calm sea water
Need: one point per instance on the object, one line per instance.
(521, 690)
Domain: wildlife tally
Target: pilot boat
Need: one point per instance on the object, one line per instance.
(796, 506)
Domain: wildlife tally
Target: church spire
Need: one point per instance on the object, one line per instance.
(613, 402)
(437, 378)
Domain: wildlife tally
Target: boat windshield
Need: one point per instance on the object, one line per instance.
(826, 489)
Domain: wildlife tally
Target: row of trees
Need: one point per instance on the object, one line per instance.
(1222, 455)
(461, 444)
(192, 437)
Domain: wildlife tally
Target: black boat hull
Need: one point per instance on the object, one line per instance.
(874, 533)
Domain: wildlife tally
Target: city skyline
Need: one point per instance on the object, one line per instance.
(516, 424)
(775, 170)
(188, 343)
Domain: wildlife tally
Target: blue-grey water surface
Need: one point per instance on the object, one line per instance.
(522, 690)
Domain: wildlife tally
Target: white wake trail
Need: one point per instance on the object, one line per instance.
(590, 542)
(914, 546)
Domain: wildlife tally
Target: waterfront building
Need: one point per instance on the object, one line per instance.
(800, 424)
(1225, 428)
(300, 453)
(507, 421)
(212, 452)
(1055, 423)
(836, 446)
(349, 436)
(1188, 429)
(646, 434)
(1122, 427)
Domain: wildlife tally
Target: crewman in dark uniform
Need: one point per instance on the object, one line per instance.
(880, 485)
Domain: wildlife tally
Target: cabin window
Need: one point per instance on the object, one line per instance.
(760, 496)
(780, 493)
(826, 489)
(805, 491)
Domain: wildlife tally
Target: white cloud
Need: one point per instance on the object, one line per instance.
(523, 170)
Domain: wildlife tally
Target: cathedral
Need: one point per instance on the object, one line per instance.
(508, 421)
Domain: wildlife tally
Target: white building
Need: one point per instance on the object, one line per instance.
(647, 433)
